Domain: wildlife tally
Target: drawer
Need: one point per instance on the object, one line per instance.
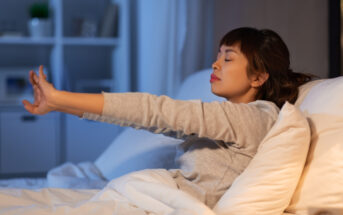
(28, 143)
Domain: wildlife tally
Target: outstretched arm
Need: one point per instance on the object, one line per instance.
(47, 99)
(225, 121)
(78, 103)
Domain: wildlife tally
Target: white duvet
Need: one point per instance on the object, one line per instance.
(150, 191)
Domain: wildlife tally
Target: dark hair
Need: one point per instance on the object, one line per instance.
(266, 52)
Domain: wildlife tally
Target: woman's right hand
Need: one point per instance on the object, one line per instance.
(43, 94)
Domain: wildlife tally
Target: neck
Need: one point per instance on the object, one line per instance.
(247, 97)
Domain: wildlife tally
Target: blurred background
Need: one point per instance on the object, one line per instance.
(130, 45)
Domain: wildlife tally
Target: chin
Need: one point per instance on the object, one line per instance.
(213, 91)
(216, 93)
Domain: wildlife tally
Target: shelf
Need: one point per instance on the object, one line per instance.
(66, 41)
(84, 64)
(27, 41)
(90, 41)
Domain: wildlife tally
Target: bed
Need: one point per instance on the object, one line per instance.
(300, 154)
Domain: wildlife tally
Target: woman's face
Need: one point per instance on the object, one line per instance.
(229, 78)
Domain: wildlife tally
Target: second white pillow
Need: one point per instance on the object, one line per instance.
(267, 184)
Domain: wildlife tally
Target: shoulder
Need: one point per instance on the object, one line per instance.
(260, 110)
(267, 106)
(261, 107)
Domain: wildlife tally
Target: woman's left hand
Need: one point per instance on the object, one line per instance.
(43, 94)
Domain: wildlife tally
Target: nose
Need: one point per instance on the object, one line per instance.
(216, 65)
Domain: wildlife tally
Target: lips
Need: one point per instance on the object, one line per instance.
(214, 78)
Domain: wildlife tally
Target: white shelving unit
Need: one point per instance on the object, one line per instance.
(26, 41)
(72, 62)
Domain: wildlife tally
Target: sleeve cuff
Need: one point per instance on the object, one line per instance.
(92, 116)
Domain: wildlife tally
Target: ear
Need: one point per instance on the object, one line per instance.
(259, 79)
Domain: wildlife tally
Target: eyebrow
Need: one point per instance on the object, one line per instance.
(230, 50)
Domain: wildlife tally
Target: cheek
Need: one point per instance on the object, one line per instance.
(236, 75)
(234, 80)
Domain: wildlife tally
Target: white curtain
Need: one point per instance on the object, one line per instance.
(174, 39)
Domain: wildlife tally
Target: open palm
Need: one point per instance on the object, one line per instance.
(43, 93)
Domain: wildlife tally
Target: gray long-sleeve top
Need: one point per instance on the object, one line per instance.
(220, 137)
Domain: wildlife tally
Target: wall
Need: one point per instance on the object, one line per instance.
(174, 38)
(303, 25)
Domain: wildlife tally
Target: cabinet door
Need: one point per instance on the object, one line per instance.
(29, 143)
(86, 139)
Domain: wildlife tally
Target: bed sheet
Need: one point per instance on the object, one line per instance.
(23, 183)
(151, 192)
(84, 175)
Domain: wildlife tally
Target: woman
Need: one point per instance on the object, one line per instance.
(252, 72)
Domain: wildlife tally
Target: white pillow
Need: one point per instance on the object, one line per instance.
(198, 86)
(135, 150)
(267, 184)
(321, 184)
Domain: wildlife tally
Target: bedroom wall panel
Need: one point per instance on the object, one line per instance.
(302, 24)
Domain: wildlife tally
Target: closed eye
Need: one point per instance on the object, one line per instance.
(227, 60)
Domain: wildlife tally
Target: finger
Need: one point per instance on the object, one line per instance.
(36, 96)
(35, 78)
(41, 73)
(28, 106)
(32, 78)
(39, 96)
